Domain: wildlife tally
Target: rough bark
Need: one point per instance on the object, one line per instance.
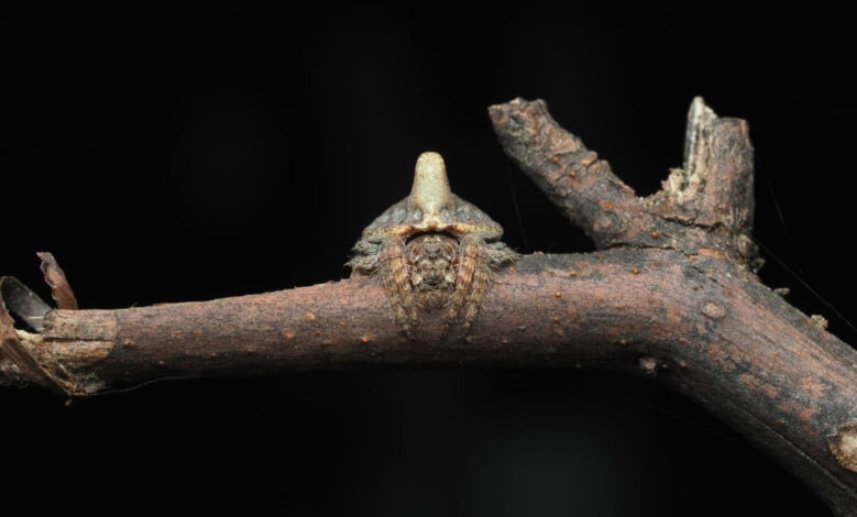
(673, 295)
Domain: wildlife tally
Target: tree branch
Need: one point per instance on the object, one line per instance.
(707, 205)
(672, 296)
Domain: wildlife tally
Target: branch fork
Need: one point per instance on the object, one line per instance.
(671, 294)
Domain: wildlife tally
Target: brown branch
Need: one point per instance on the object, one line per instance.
(672, 298)
(707, 205)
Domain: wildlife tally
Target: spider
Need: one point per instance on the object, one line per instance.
(432, 251)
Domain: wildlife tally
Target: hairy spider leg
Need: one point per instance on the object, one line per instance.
(396, 276)
(474, 274)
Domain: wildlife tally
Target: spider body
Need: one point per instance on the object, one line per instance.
(432, 250)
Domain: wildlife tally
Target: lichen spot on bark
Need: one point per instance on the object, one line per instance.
(843, 445)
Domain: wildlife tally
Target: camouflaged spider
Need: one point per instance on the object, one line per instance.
(432, 250)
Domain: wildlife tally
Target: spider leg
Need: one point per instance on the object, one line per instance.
(500, 255)
(396, 278)
(474, 275)
(365, 261)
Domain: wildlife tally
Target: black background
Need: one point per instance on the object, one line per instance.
(201, 150)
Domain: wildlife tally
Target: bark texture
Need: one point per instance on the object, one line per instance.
(672, 295)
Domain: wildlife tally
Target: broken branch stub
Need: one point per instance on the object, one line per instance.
(55, 278)
(706, 207)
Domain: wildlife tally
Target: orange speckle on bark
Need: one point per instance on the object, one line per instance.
(558, 294)
(655, 234)
(572, 173)
(709, 252)
(572, 272)
(364, 340)
(606, 205)
(555, 159)
(635, 271)
(309, 316)
(289, 334)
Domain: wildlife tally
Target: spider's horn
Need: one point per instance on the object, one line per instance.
(430, 192)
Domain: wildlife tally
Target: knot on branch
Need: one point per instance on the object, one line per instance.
(704, 207)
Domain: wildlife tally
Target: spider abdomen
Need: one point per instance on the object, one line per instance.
(432, 258)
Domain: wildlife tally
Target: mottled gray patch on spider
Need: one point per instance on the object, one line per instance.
(432, 251)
